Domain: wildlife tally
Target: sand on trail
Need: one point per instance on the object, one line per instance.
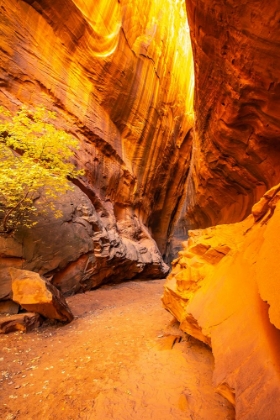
(122, 358)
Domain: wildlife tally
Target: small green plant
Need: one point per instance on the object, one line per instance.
(34, 155)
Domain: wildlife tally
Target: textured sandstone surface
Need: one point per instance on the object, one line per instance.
(224, 289)
(35, 294)
(83, 248)
(119, 76)
(237, 101)
(24, 322)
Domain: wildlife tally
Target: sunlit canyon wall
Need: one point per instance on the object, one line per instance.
(224, 287)
(119, 76)
(237, 100)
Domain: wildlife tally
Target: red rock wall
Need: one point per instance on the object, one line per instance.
(224, 289)
(224, 286)
(119, 75)
(236, 150)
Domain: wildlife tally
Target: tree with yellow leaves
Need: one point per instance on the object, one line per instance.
(34, 156)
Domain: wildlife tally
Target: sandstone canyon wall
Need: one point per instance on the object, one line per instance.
(224, 289)
(224, 286)
(119, 76)
(236, 148)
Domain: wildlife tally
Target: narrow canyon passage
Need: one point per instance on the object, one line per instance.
(122, 358)
(152, 131)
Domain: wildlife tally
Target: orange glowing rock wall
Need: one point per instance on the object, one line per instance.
(119, 75)
(224, 286)
(236, 150)
(224, 289)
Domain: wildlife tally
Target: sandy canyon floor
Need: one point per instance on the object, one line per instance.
(122, 358)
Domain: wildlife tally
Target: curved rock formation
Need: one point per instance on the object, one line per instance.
(224, 289)
(117, 74)
(237, 101)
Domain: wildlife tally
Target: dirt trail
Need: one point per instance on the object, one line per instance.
(122, 358)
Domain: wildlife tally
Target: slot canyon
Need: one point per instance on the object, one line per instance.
(149, 288)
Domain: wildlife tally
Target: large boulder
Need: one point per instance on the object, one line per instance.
(38, 295)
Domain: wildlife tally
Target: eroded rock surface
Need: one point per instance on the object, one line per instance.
(84, 248)
(237, 101)
(8, 307)
(24, 322)
(116, 73)
(224, 289)
(35, 294)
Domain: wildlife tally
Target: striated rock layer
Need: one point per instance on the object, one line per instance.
(119, 76)
(224, 289)
(236, 150)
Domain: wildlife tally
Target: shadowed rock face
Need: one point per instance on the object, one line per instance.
(115, 73)
(236, 149)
